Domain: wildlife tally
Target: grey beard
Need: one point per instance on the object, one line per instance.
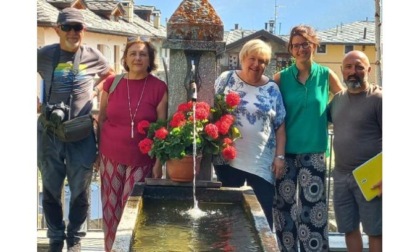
(353, 84)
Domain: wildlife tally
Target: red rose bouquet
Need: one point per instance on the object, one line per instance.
(214, 131)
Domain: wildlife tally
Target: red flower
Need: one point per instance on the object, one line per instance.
(223, 126)
(183, 107)
(229, 153)
(142, 126)
(203, 105)
(233, 99)
(145, 145)
(161, 133)
(227, 141)
(178, 119)
(228, 118)
(211, 130)
(201, 114)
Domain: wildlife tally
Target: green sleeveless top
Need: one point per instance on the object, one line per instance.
(306, 117)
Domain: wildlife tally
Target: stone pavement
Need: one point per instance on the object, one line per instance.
(93, 242)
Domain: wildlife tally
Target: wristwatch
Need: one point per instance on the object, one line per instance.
(280, 157)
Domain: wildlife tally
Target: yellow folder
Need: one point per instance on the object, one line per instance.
(369, 174)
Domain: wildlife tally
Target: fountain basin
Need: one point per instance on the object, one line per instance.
(205, 191)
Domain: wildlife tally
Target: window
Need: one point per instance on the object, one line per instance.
(100, 48)
(322, 49)
(233, 61)
(282, 61)
(348, 48)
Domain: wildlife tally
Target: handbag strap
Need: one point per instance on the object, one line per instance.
(114, 84)
(227, 80)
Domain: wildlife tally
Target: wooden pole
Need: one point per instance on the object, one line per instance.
(378, 41)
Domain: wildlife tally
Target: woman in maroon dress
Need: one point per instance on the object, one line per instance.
(138, 96)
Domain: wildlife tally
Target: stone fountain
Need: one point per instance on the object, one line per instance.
(195, 38)
(264, 238)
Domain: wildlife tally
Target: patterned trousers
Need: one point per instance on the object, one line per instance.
(117, 183)
(300, 211)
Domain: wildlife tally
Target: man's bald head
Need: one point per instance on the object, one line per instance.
(357, 55)
(355, 69)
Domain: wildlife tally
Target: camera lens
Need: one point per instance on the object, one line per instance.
(57, 116)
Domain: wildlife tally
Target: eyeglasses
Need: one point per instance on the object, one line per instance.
(304, 45)
(67, 28)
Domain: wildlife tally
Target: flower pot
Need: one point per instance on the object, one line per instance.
(181, 170)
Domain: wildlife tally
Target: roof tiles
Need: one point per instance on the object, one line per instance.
(47, 16)
(352, 33)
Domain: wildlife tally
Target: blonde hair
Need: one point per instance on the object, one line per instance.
(255, 46)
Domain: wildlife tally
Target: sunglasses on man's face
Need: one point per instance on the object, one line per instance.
(67, 28)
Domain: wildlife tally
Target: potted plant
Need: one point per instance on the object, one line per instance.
(212, 130)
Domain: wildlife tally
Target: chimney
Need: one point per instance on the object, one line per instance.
(236, 26)
(271, 28)
(156, 20)
(128, 7)
(364, 33)
(266, 26)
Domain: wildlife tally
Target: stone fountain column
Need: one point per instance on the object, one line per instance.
(194, 37)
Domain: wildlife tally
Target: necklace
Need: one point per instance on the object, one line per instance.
(138, 103)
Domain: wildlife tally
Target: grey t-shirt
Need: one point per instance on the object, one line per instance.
(357, 120)
(80, 84)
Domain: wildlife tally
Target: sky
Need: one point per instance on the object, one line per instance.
(253, 14)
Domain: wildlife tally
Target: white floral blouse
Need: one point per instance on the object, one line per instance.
(258, 116)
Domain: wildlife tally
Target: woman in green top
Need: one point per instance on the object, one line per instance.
(305, 87)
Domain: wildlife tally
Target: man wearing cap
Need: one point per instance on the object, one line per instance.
(68, 70)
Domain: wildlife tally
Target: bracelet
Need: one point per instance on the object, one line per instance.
(280, 157)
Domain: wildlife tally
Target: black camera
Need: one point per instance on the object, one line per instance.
(56, 113)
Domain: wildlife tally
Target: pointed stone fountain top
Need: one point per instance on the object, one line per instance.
(195, 11)
(195, 20)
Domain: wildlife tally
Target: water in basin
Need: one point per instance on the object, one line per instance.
(166, 225)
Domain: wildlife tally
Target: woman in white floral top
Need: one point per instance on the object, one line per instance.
(260, 119)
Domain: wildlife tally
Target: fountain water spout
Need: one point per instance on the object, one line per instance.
(193, 84)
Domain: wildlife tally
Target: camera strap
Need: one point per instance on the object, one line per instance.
(75, 71)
